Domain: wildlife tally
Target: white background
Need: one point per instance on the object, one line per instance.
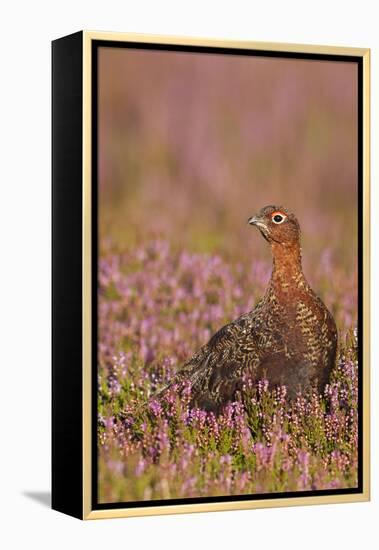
(27, 29)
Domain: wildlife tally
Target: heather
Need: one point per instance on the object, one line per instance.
(156, 307)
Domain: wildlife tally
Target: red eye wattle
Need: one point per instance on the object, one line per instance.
(278, 217)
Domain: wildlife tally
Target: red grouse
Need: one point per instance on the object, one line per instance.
(289, 338)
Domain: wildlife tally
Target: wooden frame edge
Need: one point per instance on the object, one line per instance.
(366, 271)
(87, 277)
(225, 506)
(217, 42)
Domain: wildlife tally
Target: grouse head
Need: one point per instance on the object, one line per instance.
(277, 225)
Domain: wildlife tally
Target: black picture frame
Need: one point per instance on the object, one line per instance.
(70, 122)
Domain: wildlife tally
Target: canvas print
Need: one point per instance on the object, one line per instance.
(228, 266)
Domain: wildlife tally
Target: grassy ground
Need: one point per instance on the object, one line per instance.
(156, 308)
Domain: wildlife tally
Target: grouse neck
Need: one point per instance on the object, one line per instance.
(287, 272)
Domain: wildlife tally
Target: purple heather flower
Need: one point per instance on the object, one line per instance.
(156, 307)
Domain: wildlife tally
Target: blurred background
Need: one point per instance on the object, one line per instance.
(192, 144)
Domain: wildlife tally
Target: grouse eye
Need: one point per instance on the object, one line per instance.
(278, 218)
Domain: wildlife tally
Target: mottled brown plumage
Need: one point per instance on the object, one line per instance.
(289, 338)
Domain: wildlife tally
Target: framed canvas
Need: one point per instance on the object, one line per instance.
(210, 275)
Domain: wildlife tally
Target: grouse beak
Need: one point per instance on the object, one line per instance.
(256, 220)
